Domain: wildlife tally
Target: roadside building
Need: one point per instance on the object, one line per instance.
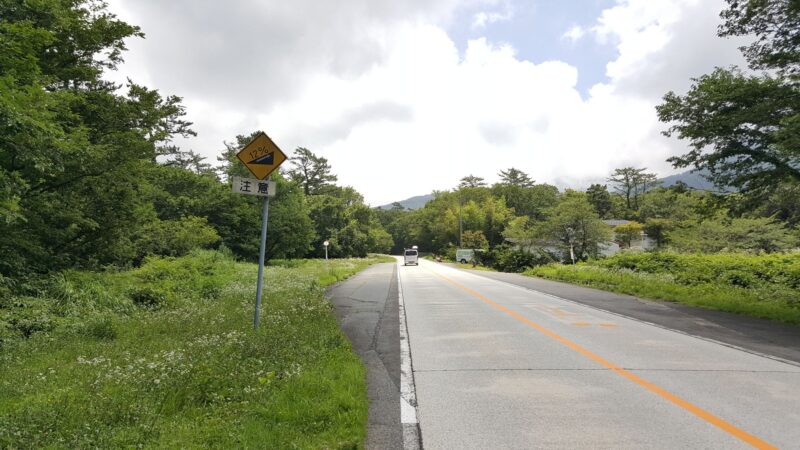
(643, 242)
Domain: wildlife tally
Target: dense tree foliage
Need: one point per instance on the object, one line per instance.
(475, 239)
(742, 128)
(472, 181)
(515, 177)
(575, 226)
(312, 172)
(525, 224)
(600, 198)
(627, 233)
(89, 175)
(74, 150)
(351, 227)
(733, 234)
(631, 182)
(533, 200)
(774, 23)
(745, 128)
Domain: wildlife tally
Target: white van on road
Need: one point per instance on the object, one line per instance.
(411, 256)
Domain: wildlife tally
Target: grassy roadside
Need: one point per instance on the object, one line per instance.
(758, 286)
(165, 357)
(476, 268)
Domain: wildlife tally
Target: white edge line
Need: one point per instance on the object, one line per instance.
(408, 395)
(597, 308)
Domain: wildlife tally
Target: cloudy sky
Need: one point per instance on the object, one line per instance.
(404, 97)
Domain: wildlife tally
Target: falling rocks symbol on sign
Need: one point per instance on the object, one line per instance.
(267, 159)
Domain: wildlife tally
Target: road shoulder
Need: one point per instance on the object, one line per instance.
(367, 309)
(761, 336)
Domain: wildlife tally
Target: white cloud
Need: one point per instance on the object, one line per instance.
(483, 18)
(380, 89)
(480, 114)
(662, 44)
(574, 33)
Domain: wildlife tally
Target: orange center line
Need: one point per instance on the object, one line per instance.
(696, 410)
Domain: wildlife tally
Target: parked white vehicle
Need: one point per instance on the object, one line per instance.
(465, 255)
(411, 256)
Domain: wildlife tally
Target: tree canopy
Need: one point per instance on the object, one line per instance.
(774, 24)
(472, 181)
(740, 128)
(312, 172)
(745, 128)
(515, 177)
(600, 198)
(631, 182)
(90, 175)
(73, 149)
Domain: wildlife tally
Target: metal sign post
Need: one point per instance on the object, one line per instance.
(266, 189)
(261, 251)
(261, 157)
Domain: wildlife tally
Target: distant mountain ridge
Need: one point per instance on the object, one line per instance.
(416, 202)
(694, 179)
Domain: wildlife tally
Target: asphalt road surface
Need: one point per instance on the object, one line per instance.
(501, 366)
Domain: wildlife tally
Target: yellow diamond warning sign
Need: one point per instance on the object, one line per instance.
(261, 156)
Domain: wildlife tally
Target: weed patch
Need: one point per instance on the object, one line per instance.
(165, 356)
(755, 285)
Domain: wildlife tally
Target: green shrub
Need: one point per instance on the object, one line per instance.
(210, 289)
(506, 259)
(148, 297)
(764, 285)
(721, 234)
(792, 275)
(6, 287)
(102, 329)
(738, 278)
(737, 269)
(176, 237)
(450, 252)
(200, 275)
(286, 263)
(8, 332)
(33, 317)
(71, 299)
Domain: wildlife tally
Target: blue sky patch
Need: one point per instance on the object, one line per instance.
(536, 30)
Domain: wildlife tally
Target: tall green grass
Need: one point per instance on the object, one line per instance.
(165, 356)
(766, 286)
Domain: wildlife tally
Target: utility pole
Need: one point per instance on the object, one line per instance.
(571, 246)
(460, 222)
